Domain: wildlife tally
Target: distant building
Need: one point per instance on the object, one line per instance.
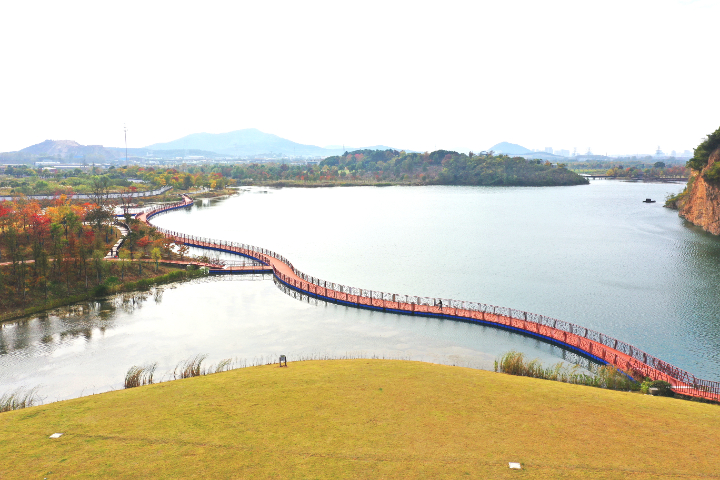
(548, 150)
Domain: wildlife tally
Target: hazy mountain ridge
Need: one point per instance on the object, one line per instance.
(251, 141)
(146, 152)
(509, 148)
(73, 152)
(66, 149)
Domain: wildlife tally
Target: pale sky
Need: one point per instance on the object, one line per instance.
(619, 76)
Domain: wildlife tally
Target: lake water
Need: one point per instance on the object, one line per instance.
(593, 255)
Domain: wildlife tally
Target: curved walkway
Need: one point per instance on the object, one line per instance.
(594, 345)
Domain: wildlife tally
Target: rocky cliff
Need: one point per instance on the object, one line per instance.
(700, 202)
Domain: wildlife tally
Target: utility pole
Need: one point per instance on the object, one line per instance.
(126, 160)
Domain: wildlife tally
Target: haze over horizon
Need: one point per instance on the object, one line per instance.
(618, 77)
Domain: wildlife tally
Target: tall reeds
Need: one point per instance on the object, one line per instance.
(191, 367)
(222, 365)
(139, 376)
(18, 399)
(606, 376)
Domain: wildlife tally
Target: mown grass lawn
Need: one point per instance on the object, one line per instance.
(362, 419)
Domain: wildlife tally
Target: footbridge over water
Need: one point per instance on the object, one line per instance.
(596, 346)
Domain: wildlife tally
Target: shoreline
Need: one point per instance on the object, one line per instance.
(139, 285)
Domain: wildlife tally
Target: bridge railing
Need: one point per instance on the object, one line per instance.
(445, 304)
(164, 208)
(642, 362)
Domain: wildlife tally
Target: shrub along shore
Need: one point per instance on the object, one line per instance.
(139, 282)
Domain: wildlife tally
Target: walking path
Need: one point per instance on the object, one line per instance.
(150, 193)
(124, 230)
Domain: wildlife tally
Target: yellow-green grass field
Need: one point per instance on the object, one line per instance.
(362, 419)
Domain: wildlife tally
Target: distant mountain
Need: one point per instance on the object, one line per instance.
(240, 143)
(509, 149)
(164, 154)
(381, 147)
(544, 156)
(344, 148)
(68, 149)
(250, 142)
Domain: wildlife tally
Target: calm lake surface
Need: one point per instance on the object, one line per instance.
(593, 255)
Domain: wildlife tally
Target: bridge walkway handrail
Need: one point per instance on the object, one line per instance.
(598, 346)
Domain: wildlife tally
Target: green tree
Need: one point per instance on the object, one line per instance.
(98, 257)
(704, 150)
(124, 256)
(156, 255)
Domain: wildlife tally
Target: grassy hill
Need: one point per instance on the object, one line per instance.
(362, 419)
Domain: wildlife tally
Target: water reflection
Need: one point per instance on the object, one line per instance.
(88, 348)
(65, 324)
(587, 365)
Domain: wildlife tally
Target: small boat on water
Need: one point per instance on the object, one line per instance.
(647, 200)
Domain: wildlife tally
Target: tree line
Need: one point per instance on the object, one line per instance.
(56, 249)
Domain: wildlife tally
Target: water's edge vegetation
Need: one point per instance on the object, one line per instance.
(110, 286)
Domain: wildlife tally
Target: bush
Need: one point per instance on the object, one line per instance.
(606, 376)
(645, 386)
(100, 290)
(704, 150)
(664, 388)
(712, 174)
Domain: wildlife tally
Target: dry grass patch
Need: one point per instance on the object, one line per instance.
(362, 419)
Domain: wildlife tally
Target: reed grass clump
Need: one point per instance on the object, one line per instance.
(138, 376)
(18, 399)
(222, 366)
(606, 376)
(191, 367)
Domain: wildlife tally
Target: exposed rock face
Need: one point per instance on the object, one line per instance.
(701, 205)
